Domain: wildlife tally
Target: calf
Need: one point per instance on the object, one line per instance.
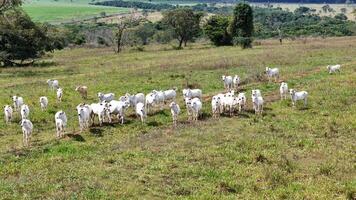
(135, 99)
(118, 108)
(216, 106)
(228, 82)
(140, 111)
(43, 103)
(192, 93)
(194, 107)
(236, 82)
(333, 68)
(61, 122)
(175, 110)
(27, 129)
(106, 97)
(272, 72)
(8, 113)
(102, 111)
(59, 94)
(18, 102)
(25, 111)
(53, 84)
(257, 102)
(83, 91)
(283, 90)
(296, 96)
(84, 112)
(241, 100)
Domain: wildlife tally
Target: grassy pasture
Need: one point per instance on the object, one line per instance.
(288, 153)
(65, 11)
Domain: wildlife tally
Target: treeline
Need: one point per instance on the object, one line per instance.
(136, 4)
(305, 1)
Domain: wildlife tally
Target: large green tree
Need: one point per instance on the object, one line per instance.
(184, 23)
(216, 29)
(21, 39)
(242, 25)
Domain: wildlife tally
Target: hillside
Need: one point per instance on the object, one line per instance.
(297, 153)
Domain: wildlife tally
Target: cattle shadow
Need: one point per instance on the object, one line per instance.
(75, 137)
(154, 123)
(96, 132)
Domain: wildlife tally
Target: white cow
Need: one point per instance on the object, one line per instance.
(43, 103)
(106, 97)
(102, 111)
(59, 128)
(59, 94)
(8, 113)
(216, 106)
(118, 109)
(272, 72)
(53, 84)
(296, 96)
(333, 68)
(192, 93)
(194, 107)
(135, 99)
(170, 94)
(18, 102)
(228, 82)
(84, 112)
(140, 111)
(236, 82)
(62, 116)
(241, 100)
(25, 111)
(283, 90)
(257, 104)
(27, 129)
(175, 110)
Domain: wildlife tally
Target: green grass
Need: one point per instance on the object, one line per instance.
(54, 12)
(288, 153)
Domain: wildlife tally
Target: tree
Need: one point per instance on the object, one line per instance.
(325, 8)
(21, 39)
(343, 10)
(216, 29)
(341, 17)
(144, 32)
(124, 24)
(302, 10)
(242, 25)
(8, 4)
(184, 23)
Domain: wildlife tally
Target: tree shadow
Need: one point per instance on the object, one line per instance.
(154, 123)
(75, 137)
(46, 63)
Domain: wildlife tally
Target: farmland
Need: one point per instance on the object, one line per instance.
(297, 153)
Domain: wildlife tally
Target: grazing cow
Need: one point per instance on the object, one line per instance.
(296, 96)
(333, 68)
(8, 113)
(18, 102)
(25, 111)
(155, 98)
(27, 129)
(106, 97)
(53, 84)
(175, 110)
(140, 111)
(43, 103)
(83, 91)
(272, 72)
(59, 94)
(283, 90)
(192, 93)
(228, 82)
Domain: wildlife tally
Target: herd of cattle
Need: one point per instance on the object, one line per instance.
(108, 108)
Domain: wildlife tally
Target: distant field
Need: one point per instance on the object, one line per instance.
(288, 153)
(54, 12)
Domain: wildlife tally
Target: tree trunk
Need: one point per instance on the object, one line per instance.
(180, 43)
(185, 43)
